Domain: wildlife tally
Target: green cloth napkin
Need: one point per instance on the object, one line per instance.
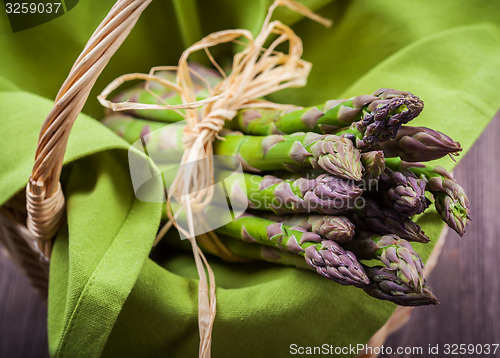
(107, 296)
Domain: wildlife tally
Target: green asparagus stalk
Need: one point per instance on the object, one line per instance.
(450, 199)
(324, 256)
(405, 192)
(263, 253)
(386, 284)
(130, 128)
(336, 228)
(382, 220)
(419, 144)
(163, 144)
(396, 254)
(325, 194)
(384, 108)
(331, 153)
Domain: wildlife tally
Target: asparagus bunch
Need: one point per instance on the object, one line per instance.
(326, 186)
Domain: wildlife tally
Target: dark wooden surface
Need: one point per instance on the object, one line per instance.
(23, 316)
(466, 279)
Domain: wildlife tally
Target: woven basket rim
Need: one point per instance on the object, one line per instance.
(45, 202)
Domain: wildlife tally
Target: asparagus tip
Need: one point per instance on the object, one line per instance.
(386, 285)
(336, 264)
(386, 115)
(338, 156)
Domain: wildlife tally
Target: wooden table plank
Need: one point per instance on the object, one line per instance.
(23, 315)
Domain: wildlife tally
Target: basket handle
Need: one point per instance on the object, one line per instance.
(45, 200)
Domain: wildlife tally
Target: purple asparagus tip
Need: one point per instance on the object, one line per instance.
(406, 193)
(373, 164)
(451, 201)
(336, 264)
(326, 194)
(386, 115)
(397, 254)
(336, 228)
(420, 144)
(381, 220)
(337, 156)
(387, 285)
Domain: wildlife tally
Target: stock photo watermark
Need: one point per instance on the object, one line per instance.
(438, 350)
(25, 14)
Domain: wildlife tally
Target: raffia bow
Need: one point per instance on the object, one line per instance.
(256, 71)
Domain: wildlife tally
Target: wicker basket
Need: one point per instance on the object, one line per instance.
(29, 223)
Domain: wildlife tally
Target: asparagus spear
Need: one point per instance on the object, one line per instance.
(381, 220)
(396, 254)
(384, 283)
(387, 285)
(163, 144)
(405, 192)
(450, 199)
(336, 228)
(324, 256)
(263, 253)
(419, 144)
(130, 128)
(331, 153)
(373, 165)
(384, 108)
(325, 194)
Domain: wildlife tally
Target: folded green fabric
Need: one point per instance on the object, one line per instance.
(107, 297)
(21, 116)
